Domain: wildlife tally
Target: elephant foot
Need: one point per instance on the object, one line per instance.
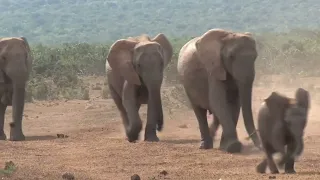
(17, 137)
(151, 138)
(16, 134)
(261, 168)
(290, 171)
(274, 172)
(234, 147)
(3, 136)
(206, 144)
(132, 138)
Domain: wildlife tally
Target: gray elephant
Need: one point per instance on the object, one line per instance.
(217, 72)
(135, 73)
(15, 66)
(281, 122)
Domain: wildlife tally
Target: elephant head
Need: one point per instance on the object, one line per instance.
(293, 113)
(222, 53)
(141, 62)
(140, 58)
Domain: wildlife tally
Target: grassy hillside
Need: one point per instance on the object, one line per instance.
(57, 21)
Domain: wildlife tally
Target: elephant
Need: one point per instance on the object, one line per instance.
(135, 69)
(217, 72)
(15, 66)
(281, 122)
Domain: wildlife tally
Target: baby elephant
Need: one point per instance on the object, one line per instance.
(281, 122)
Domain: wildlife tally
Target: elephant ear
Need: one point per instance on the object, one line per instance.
(303, 98)
(278, 104)
(209, 47)
(167, 47)
(29, 55)
(120, 60)
(2, 48)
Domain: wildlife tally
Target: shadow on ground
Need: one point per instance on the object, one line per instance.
(40, 138)
(180, 141)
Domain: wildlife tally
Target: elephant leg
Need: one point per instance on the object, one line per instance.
(289, 164)
(272, 166)
(219, 105)
(278, 143)
(214, 126)
(234, 105)
(118, 101)
(130, 102)
(154, 115)
(3, 108)
(262, 167)
(206, 139)
(16, 133)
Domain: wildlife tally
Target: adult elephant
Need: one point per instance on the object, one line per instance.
(15, 66)
(217, 72)
(135, 72)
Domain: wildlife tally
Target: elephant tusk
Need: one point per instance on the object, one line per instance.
(249, 137)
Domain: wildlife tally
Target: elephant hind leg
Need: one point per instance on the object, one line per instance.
(2, 115)
(214, 126)
(206, 139)
(118, 101)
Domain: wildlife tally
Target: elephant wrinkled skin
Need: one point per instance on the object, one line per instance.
(217, 72)
(15, 66)
(135, 73)
(281, 122)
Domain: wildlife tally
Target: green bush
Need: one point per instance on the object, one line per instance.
(57, 70)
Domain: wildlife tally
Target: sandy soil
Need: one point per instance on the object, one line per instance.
(96, 147)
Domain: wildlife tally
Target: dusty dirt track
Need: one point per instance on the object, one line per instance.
(96, 147)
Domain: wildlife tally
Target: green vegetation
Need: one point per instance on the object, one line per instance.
(58, 71)
(71, 39)
(9, 169)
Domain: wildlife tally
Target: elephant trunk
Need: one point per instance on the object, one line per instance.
(246, 104)
(155, 112)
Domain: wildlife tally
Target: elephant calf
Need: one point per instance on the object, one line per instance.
(15, 67)
(135, 72)
(281, 122)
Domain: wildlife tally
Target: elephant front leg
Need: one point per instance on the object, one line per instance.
(16, 133)
(129, 101)
(220, 107)
(289, 164)
(2, 115)
(154, 115)
(234, 105)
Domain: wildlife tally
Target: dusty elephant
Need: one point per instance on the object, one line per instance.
(217, 72)
(15, 64)
(135, 73)
(281, 122)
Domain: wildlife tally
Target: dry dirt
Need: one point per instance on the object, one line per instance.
(96, 147)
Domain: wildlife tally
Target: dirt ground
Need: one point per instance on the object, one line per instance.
(96, 147)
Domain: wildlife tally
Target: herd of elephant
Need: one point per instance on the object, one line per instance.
(217, 72)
